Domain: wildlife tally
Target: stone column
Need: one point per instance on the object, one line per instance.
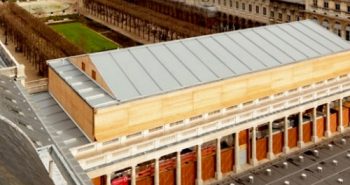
(178, 168)
(199, 165)
(286, 137)
(343, 32)
(237, 161)
(301, 131)
(254, 159)
(270, 153)
(340, 120)
(218, 159)
(328, 132)
(156, 171)
(133, 175)
(109, 179)
(314, 125)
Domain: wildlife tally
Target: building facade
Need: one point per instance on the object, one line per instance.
(331, 14)
(334, 15)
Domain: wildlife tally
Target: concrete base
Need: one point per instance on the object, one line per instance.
(285, 150)
(301, 144)
(270, 155)
(314, 139)
(328, 133)
(199, 182)
(218, 175)
(341, 129)
(254, 162)
(237, 168)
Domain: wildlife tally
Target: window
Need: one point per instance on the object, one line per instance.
(237, 5)
(231, 3)
(250, 7)
(224, 2)
(337, 6)
(280, 16)
(348, 9)
(288, 18)
(93, 74)
(264, 10)
(315, 2)
(83, 66)
(243, 6)
(325, 4)
(272, 14)
(257, 9)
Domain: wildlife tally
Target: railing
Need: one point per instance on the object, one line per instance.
(7, 56)
(331, 12)
(9, 71)
(36, 86)
(95, 154)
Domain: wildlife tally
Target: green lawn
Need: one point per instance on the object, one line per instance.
(86, 38)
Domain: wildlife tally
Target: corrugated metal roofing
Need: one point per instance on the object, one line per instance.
(83, 85)
(159, 68)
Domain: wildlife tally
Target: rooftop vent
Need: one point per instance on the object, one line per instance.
(340, 180)
(251, 179)
(343, 141)
(301, 158)
(335, 162)
(268, 172)
(348, 155)
(330, 146)
(303, 176)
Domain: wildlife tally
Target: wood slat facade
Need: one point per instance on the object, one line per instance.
(147, 113)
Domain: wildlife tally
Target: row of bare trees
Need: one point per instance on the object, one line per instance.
(165, 22)
(33, 37)
(202, 16)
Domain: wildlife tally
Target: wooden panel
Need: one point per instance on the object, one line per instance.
(99, 180)
(277, 143)
(167, 177)
(307, 131)
(293, 137)
(77, 108)
(333, 122)
(321, 126)
(188, 173)
(243, 136)
(145, 180)
(261, 148)
(345, 116)
(216, 95)
(208, 167)
(227, 156)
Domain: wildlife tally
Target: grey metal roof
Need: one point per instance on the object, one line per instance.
(14, 107)
(82, 84)
(2, 63)
(41, 119)
(19, 162)
(160, 68)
